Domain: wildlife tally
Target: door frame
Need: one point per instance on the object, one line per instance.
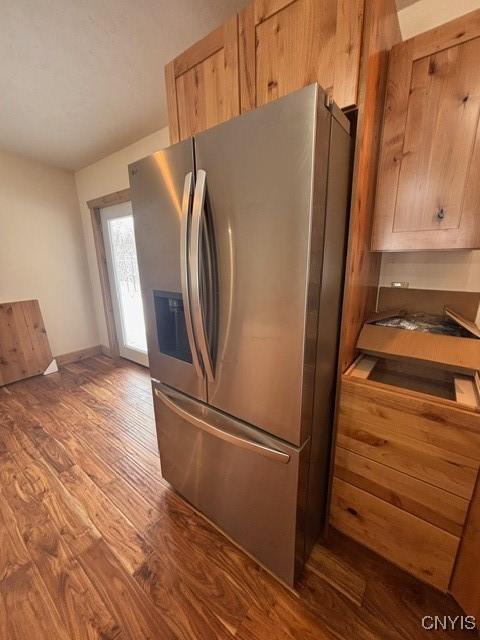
(95, 205)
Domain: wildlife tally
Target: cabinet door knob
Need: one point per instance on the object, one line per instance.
(441, 213)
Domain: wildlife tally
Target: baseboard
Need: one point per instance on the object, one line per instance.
(106, 351)
(81, 354)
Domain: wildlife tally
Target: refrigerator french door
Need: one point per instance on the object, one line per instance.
(241, 241)
(162, 187)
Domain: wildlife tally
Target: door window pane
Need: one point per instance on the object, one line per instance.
(127, 281)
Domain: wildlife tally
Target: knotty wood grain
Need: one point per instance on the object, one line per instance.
(24, 347)
(441, 508)
(285, 45)
(370, 424)
(431, 142)
(405, 470)
(348, 45)
(412, 543)
(203, 83)
(380, 32)
(442, 424)
(172, 107)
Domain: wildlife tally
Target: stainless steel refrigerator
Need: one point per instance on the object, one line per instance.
(240, 237)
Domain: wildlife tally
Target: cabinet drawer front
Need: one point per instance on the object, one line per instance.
(431, 422)
(440, 508)
(447, 471)
(409, 542)
(409, 435)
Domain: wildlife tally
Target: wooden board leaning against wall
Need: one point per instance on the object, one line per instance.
(24, 346)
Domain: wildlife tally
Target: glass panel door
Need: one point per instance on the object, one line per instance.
(121, 255)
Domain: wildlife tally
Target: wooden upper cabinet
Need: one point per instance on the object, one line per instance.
(288, 44)
(428, 191)
(272, 48)
(202, 83)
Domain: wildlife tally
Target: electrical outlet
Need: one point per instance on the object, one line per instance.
(400, 285)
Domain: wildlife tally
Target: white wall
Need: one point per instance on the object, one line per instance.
(99, 179)
(42, 252)
(427, 14)
(450, 270)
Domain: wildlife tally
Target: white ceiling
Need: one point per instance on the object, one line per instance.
(82, 78)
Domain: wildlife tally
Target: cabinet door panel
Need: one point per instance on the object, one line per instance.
(471, 199)
(428, 192)
(202, 83)
(409, 542)
(201, 96)
(295, 47)
(286, 45)
(440, 131)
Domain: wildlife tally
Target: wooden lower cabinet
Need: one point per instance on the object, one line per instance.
(409, 542)
(406, 467)
(426, 439)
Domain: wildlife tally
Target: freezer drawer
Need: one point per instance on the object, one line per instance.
(251, 485)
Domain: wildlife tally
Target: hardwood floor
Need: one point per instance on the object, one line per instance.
(93, 545)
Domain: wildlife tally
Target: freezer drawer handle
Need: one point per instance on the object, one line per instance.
(186, 201)
(198, 320)
(267, 452)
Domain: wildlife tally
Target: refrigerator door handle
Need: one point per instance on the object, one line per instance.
(184, 225)
(194, 270)
(175, 402)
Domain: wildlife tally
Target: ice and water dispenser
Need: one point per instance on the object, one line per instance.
(171, 328)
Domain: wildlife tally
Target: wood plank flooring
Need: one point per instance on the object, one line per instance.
(93, 544)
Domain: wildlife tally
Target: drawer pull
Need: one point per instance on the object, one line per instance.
(174, 403)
